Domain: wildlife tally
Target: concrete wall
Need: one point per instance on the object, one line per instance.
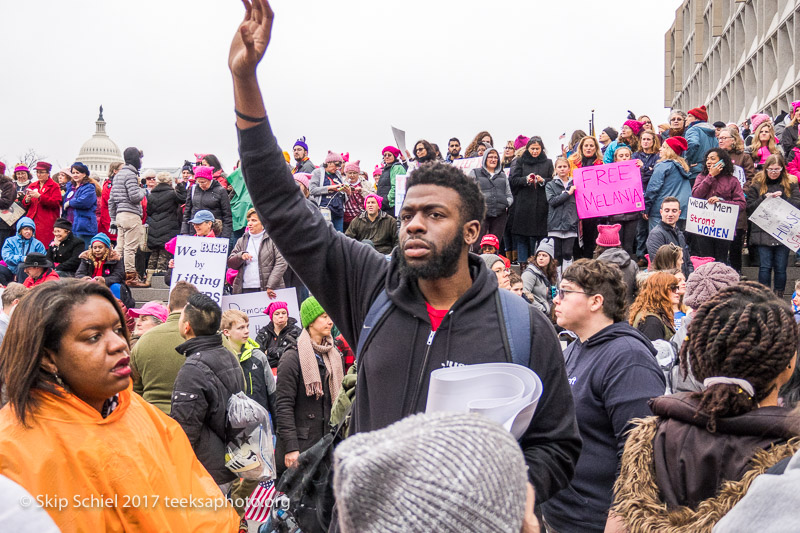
(737, 57)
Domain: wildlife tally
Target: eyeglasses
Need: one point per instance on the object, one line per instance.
(774, 170)
(673, 288)
(509, 147)
(41, 172)
(338, 163)
(647, 122)
(561, 292)
(148, 179)
(420, 149)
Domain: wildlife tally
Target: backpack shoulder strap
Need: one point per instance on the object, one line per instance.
(377, 310)
(515, 318)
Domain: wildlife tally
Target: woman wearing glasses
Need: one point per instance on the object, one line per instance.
(652, 312)
(772, 182)
(328, 190)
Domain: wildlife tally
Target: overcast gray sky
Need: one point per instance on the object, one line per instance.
(339, 72)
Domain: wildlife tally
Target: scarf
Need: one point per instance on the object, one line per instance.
(306, 349)
(99, 262)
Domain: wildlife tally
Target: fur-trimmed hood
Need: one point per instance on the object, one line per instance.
(639, 497)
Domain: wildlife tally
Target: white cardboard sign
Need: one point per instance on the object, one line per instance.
(717, 220)
(202, 262)
(780, 219)
(255, 303)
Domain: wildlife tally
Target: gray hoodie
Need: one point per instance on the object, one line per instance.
(494, 185)
(620, 257)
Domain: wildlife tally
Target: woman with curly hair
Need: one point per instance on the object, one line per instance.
(652, 311)
(685, 468)
(483, 137)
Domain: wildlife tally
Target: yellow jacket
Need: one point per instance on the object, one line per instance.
(132, 471)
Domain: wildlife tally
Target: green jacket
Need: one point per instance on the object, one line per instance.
(155, 363)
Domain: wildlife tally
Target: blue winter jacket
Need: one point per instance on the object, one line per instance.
(668, 179)
(701, 137)
(608, 154)
(16, 248)
(79, 208)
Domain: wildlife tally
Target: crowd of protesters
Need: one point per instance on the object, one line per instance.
(669, 386)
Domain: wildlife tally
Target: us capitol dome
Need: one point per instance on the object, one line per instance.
(99, 151)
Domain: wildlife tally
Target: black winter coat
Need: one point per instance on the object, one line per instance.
(163, 213)
(205, 383)
(302, 420)
(216, 200)
(67, 255)
(8, 193)
(113, 269)
(275, 345)
(530, 199)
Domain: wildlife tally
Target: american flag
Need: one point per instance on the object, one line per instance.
(260, 502)
(562, 136)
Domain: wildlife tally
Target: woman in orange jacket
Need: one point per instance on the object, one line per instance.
(96, 456)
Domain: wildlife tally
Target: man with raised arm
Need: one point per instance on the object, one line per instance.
(444, 301)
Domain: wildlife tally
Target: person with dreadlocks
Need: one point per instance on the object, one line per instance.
(102, 264)
(685, 468)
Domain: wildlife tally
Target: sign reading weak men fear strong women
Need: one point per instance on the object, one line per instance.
(604, 190)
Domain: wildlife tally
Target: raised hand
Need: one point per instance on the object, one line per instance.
(251, 39)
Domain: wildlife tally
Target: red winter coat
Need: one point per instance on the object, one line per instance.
(44, 210)
(49, 275)
(103, 216)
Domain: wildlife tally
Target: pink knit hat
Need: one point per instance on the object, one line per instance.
(204, 172)
(520, 142)
(697, 262)
(352, 166)
(608, 236)
(378, 170)
(756, 120)
(795, 105)
(392, 150)
(333, 157)
(635, 125)
(274, 306)
(302, 177)
(377, 199)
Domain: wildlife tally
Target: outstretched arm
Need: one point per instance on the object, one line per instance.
(247, 49)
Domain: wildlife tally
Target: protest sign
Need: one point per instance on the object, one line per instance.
(399, 193)
(400, 139)
(255, 303)
(717, 220)
(780, 219)
(604, 190)
(202, 262)
(468, 164)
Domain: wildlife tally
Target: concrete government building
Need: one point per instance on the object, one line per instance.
(738, 57)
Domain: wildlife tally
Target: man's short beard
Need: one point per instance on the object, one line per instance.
(442, 264)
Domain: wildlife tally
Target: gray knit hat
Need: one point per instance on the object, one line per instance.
(546, 246)
(491, 259)
(443, 472)
(706, 281)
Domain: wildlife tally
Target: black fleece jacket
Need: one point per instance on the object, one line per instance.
(346, 276)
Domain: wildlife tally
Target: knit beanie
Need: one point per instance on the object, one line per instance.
(392, 150)
(302, 177)
(520, 142)
(301, 142)
(678, 144)
(352, 166)
(612, 133)
(274, 306)
(699, 113)
(309, 311)
(546, 246)
(63, 223)
(2, 168)
(608, 236)
(377, 172)
(491, 259)
(204, 172)
(756, 120)
(133, 157)
(187, 166)
(103, 238)
(443, 472)
(698, 261)
(333, 157)
(707, 281)
(377, 199)
(635, 125)
(795, 105)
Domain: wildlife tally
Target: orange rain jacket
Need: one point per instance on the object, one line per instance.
(132, 471)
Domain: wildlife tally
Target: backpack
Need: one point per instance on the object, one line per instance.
(307, 498)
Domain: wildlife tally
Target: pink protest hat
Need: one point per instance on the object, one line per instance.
(204, 172)
(151, 309)
(700, 261)
(302, 177)
(608, 236)
(377, 199)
